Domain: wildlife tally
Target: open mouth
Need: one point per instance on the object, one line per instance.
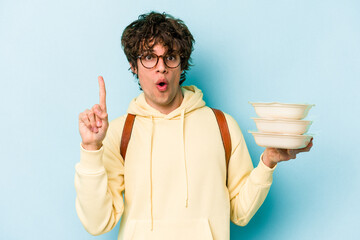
(162, 86)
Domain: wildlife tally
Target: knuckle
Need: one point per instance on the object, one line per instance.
(82, 116)
(83, 113)
(91, 116)
(96, 106)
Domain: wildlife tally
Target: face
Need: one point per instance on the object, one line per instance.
(160, 83)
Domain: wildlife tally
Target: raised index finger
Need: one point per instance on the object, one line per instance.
(102, 93)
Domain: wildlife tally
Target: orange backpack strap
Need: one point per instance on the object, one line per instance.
(225, 135)
(126, 134)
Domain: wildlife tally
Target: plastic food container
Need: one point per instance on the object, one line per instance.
(283, 126)
(281, 110)
(285, 141)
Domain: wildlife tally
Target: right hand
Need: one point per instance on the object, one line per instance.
(93, 123)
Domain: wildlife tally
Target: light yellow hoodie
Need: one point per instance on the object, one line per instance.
(174, 176)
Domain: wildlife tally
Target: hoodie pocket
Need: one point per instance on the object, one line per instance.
(198, 229)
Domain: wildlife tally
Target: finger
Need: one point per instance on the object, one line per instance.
(102, 93)
(98, 121)
(291, 153)
(97, 110)
(307, 148)
(92, 119)
(84, 119)
(283, 154)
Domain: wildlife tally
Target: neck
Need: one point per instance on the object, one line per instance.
(174, 104)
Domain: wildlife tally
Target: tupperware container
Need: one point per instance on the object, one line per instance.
(281, 110)
(285, 141)
(286, 126)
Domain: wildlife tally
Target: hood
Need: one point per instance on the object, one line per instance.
(193, 99)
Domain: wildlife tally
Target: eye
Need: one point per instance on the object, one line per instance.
(148, 57)
(171, 58)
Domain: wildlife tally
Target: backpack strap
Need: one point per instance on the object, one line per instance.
(220, 118)
(225, 136)
(126, 134)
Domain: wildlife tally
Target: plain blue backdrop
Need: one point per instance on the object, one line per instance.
(51, 53)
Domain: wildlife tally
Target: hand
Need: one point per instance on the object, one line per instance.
(93, 123)
(272, 156)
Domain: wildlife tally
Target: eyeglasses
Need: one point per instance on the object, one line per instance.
(151, 60)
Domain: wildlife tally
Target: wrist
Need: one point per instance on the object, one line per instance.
(91, 147)
(267, 161)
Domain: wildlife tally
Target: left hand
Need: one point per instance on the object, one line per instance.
(272, 156)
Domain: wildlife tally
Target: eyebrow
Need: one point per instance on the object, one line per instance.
(151, 51)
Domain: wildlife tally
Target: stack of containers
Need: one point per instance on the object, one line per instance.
(281, 125)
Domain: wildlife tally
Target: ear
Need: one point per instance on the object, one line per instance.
(133, 68)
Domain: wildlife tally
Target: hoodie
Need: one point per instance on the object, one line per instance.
(173, 182)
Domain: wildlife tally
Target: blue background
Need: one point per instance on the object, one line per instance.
(51, 53)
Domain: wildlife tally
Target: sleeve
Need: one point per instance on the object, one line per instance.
(99, 184)
(248, 186)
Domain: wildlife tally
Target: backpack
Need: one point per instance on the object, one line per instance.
(221, 120)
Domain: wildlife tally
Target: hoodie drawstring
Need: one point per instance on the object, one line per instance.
(185, 165)
(151, 199)
(184, 157)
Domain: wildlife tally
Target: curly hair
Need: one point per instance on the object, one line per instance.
(153, 28)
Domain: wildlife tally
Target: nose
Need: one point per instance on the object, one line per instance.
(161, 67)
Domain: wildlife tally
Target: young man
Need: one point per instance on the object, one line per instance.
(174, 176)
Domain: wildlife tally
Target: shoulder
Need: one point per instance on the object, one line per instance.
(229, 119)
(115, 129)
(118, 122)
(234, 128)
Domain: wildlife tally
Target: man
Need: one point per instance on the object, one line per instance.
(174, 176)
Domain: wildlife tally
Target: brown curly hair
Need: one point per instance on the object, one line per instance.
(153, 28)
